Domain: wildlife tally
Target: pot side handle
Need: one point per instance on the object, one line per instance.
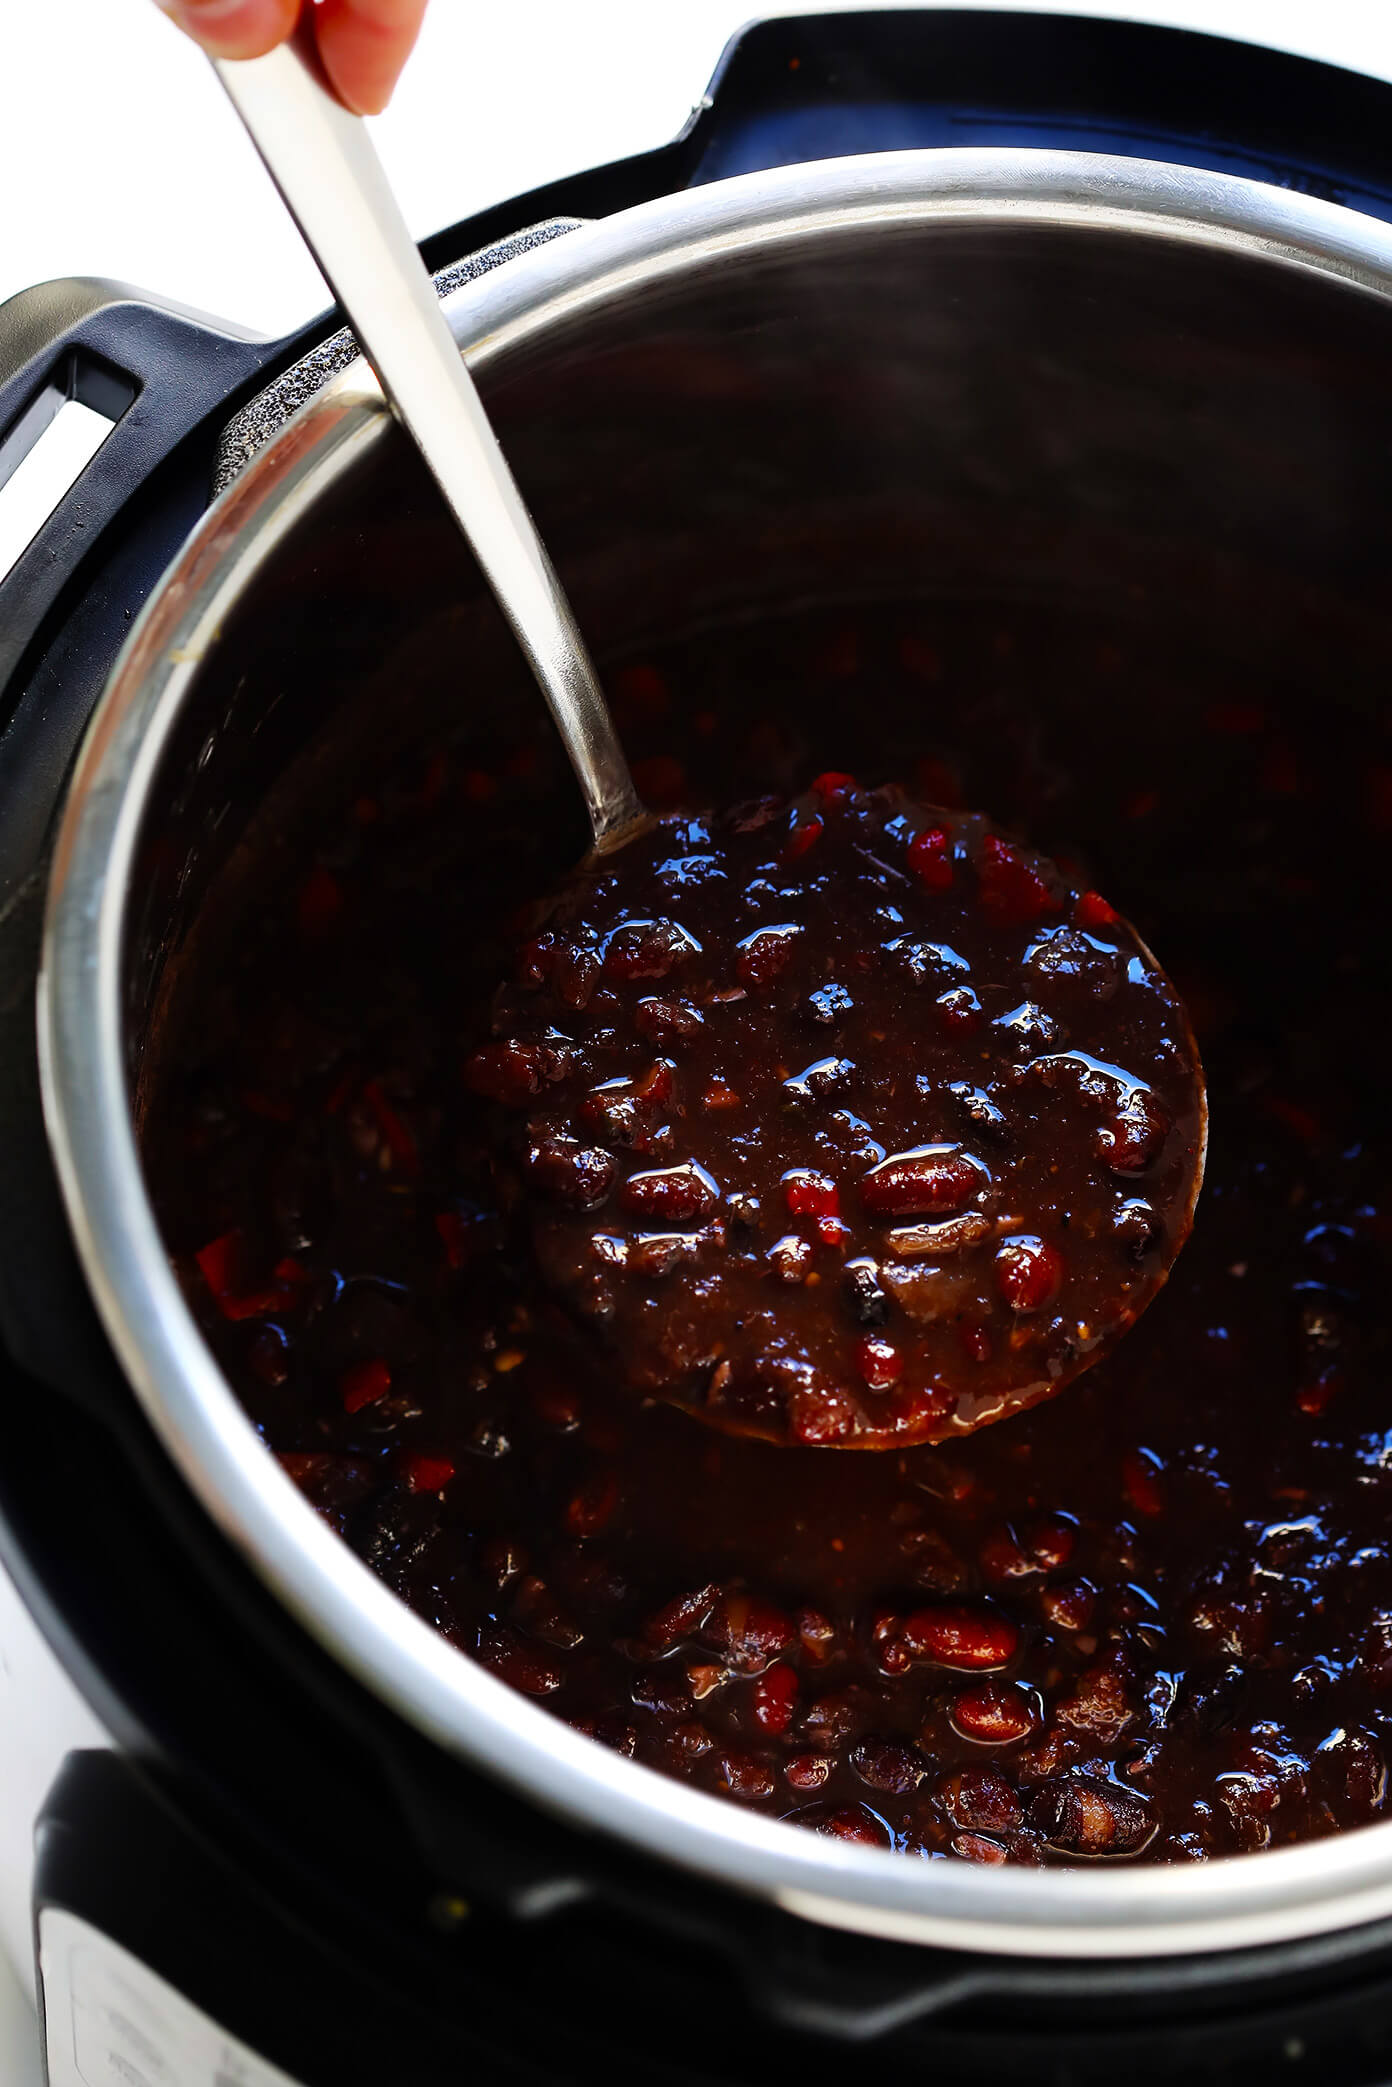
(154, 370)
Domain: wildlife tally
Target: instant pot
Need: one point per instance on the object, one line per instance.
(921, 301)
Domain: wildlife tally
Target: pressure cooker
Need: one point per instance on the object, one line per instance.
(871, 325)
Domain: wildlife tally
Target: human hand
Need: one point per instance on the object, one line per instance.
(363, 43)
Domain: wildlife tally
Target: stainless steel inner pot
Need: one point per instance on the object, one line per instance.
(980, 373)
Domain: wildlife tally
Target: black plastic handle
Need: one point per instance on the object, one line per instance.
(154, 369)
(158, 372)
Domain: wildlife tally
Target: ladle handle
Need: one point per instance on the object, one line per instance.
(323, 162)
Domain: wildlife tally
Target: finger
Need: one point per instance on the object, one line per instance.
(364, 44)
(235, 28)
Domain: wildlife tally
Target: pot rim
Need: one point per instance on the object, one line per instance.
(1096, 1911)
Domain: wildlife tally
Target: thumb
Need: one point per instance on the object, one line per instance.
(364, 44)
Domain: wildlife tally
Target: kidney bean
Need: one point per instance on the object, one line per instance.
(967, 1639)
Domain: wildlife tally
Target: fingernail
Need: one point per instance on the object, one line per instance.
(202, 13)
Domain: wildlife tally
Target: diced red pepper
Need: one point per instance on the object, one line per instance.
(1010, 883)
(833, 787)
(219, 1261)
(221, 1264)
(811, 1195)
(254, 1304)
(930, 858)
(801, 839)
(364, 1384)
(1140, 1479)
(426, 1474)
(1092, 911)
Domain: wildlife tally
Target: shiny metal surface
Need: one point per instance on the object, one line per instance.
(324, 164)
(1133, 220)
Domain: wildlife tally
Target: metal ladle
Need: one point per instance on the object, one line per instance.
(323, 162)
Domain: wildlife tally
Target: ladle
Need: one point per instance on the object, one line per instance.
(691, 1309)
(324, 164)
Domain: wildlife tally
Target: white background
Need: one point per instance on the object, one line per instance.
(119, 157)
